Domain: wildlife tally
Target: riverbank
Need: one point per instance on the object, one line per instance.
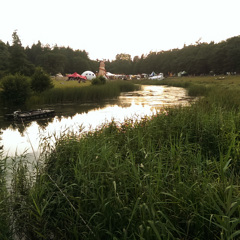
(171, 176)
(198, 86)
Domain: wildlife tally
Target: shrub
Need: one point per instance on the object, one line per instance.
(99, 80)
(15, 89)
(41, 81)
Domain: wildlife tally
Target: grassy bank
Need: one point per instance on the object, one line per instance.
(172, 176)
(198, 86)
(85, 92)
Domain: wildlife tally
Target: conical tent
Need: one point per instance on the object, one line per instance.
(152, 74)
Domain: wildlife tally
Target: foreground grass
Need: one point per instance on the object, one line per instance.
(172, 176)
(5, 225)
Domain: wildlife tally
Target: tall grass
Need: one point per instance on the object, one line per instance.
(5, 226)
(83, 94)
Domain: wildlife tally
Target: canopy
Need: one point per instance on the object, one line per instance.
(76, 75)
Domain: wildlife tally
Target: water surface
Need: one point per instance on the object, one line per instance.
(19, 138)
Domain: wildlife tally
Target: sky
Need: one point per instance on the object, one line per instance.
(105, 28)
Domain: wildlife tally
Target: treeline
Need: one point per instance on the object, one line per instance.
(196, 59)
(201, 58)
(17, 59)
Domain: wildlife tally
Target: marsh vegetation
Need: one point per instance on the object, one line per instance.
(84, 92)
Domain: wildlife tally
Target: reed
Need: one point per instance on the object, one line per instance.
(5, 225)
(82, 94)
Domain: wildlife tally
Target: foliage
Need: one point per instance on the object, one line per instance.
(4, 57)
(15, 89)
(40, 81)
(99, 80)
(18, 62)
(52, 62)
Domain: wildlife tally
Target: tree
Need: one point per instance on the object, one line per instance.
(34, 52)
(52, 62)
(123, 56)
(15, 89)
(4, 56)
(41, 81)
(18, 62)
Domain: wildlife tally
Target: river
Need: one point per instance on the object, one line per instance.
(29, 137)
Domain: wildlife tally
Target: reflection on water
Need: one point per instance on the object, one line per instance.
(19, 138)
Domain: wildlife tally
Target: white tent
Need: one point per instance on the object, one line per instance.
(157, 77)
(152, 74)
(89, 75)
(110, 75)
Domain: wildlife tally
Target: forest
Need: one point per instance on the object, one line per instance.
(197, 59)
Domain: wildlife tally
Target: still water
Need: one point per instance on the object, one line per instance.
(28, 137)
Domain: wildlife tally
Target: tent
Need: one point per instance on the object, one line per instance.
(152, 74)
(76, 76)
(89, 75)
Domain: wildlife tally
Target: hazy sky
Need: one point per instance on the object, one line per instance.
(105, 28)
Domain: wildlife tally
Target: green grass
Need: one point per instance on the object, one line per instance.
(197, 86)
(5, 225)
(79, 94)
(63, 83)
(171, 176)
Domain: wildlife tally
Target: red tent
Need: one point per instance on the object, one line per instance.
(76, 75)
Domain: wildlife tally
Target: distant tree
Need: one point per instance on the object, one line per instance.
(52, 62)
(15, 89)
(123, 56)
(4, 56)
(233, 54)
(18, 62)
(40, 80)
(218, 58)
(34, 52)
(80, 64)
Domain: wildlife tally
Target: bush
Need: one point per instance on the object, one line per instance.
(41, 81)
(15, 89)
(99, 80)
